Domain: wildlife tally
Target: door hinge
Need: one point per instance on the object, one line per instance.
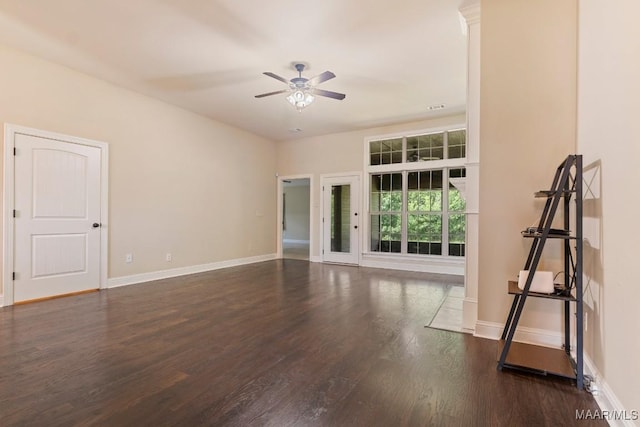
(14, 151)
(14, 213)
(13, 276)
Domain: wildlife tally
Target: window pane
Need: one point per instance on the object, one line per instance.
(386, 193)
(424, 207)
(456, 202)
(436, 179)
(386, 212)
(375, 147)
(386, 233)
(385, 201)
(374, 202)
(417, 201)
(457, 219)
(386, 182)
(456, 234)
(425, 191)
(456, 228)
(435, 201)
(456, 144)
(424, 234)
(375, 232)
(396, 182)
(457, 173)
(340, 215)
(422, 148)
(385, 152)
(396, 201)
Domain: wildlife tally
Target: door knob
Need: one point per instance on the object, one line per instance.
(355, 226)
(95, 225)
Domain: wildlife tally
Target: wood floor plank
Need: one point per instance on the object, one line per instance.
(278, 343)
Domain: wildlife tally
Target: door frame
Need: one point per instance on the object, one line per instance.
(358, 207)
(10, 132)
(280, 212)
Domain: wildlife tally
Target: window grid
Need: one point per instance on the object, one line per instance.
(410, 229)
(386, 151)
(456, 218)
(385, 212)
(424, 212)
(444, 145)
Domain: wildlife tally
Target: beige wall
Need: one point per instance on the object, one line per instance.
(296, 214)
(337, 153)
(608, 129)
(527, 127)
(178, 183)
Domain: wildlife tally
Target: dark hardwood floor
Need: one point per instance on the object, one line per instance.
(279, 343)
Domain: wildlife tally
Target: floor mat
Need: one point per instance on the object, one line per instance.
(449, 315)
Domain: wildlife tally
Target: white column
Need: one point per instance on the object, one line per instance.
(471, 13)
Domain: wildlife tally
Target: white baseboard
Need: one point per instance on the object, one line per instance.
(115, 282)
(610, 405)
(304, 242)
(315, 258)
(469, 314)
(1, 300)
(543, 337)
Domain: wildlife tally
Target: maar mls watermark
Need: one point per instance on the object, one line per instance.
(588, 414)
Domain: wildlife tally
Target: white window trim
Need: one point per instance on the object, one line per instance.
(446, 264)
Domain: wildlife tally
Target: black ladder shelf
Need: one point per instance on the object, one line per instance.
(567, 184)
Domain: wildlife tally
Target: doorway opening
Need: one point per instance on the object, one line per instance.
(295, 223)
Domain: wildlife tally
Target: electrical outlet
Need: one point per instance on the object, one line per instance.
(128, 258)
(169, 257)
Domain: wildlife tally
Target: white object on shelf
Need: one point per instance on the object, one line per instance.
(542, 281)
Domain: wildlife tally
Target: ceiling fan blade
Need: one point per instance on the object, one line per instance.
(328, 94)
(272, 93)
(327, 75)
(277, 77)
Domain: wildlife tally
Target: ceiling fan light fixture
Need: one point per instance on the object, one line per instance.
(301, 91)
(300, 99)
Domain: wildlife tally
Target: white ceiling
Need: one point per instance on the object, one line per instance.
(392, 60)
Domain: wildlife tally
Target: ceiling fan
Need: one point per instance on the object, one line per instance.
(302, 90)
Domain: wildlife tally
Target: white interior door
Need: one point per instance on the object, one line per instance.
(57, 217)
(341, 220)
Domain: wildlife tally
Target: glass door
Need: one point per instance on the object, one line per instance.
(340, 219)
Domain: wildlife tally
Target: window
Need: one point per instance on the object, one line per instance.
(386, 152)
(456, 144)
(413, 207)
(386, 212)
(424, 212)
(425, 147)
(456, 221)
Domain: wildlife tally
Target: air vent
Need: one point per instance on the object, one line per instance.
(436, 107)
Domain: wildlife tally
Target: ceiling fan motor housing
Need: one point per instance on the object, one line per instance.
(299, 82)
